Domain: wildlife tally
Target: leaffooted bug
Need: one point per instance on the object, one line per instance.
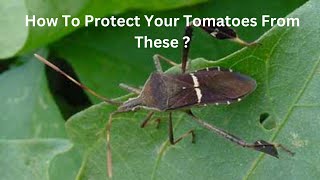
(164, 92)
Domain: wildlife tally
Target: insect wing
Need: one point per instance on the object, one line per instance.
(223, 86)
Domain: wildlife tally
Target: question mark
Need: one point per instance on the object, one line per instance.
(186, 41)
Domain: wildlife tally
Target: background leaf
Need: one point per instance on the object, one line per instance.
(287, 90)
(27, 106)
(27, 112)
(29, 159)
(12, 26)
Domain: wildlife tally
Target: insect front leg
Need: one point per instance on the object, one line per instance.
(109, 155)
(146, 120)
(260, 145)
(157, 58)
(108, 133)
(171, 136)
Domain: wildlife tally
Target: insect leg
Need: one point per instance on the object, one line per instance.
(222, 33)
(108, 132)
(260, 145)
(157, 58)
(158, 120)
(146, 120)
(171, 136)
(130, 88)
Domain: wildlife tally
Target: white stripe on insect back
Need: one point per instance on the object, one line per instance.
(214, 34)
(199, 95)
(195, 80)
(196, 87)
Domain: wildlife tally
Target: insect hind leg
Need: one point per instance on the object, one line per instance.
(260, 145)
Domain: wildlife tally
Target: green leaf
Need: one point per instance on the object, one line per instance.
(68, 162)
(16, 37)
(13, 32)
(286, 68)
(29, 159)
(27, 109)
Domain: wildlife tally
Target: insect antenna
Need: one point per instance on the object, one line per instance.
(108, 125)
(54, 67)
